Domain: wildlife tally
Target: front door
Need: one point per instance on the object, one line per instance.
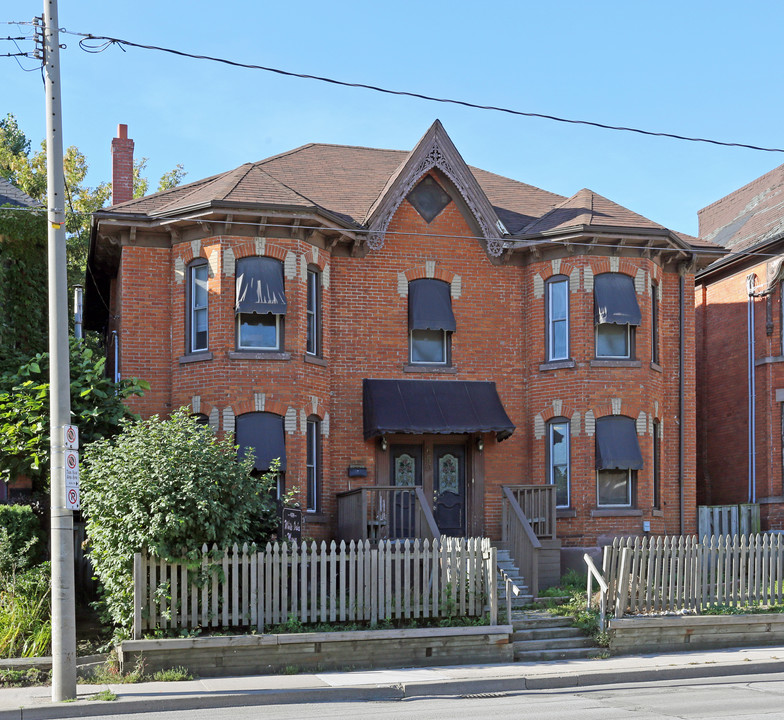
(405, 471)
(449, 489)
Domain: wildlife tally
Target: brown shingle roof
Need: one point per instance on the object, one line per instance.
(749, 215)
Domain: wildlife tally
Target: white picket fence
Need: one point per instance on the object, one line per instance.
(679, 573)
(315, 583)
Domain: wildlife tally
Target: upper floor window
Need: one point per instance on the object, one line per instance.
(313, 311)
(657, 464)
(618, 457)
(431, 322)
(198, 276)
(313, 463)
(616, 314)
(261, 303)
(558, 460)
(655, 323)
(558, 318)
(261, 434)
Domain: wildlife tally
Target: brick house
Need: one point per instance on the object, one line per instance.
(387, 318)
(740, 356)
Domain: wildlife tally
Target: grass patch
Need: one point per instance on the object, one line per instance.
(109, 674)
(105, 695)
(175, 674)
(25, 614)
(24, 678)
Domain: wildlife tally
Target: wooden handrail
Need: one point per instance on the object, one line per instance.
(522, 519)
(593, 572)
(427, 513)
(521, 540)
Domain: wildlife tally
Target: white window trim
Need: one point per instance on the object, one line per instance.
(193, 309)
(629, 480)
(421, 362)
(258, 347)
(551, 356)
(628, 354)
(550, 464)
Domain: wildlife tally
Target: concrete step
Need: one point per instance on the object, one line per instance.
(552, 633)
(565, 654)
(568, 643)
(534, 621)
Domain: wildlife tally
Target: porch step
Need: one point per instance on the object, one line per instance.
(539, 637)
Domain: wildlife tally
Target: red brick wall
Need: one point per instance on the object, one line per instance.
(499, 337)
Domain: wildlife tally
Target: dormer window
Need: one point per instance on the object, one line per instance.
(429, 199)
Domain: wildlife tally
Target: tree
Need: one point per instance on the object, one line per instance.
(96, 406)
(166, 486)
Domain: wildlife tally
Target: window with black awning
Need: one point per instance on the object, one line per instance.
(430, 306)
(615, 300)
(261, 433)
(617, 446)
(260, 288)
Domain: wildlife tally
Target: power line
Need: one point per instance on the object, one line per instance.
(106, 42)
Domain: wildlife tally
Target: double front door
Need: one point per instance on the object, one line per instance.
(440, 469)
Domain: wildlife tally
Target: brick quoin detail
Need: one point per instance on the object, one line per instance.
(247, 248)
(548, 413)
(320, 262)
(566, 269)
(420, 272)
(271, 405)
(185, 251)
(625, 266)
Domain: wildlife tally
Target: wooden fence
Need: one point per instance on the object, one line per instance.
(741, 519)
(313, 583)
(678, 573)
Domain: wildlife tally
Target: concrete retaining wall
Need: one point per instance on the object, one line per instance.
(694, 632)
(259, 654)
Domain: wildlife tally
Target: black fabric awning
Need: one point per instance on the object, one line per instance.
(615, 301)
(617, 447)
(433, 406)
(262, 434)
(260, 286)
(430, 306)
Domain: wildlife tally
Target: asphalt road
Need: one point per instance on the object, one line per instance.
(747, 698)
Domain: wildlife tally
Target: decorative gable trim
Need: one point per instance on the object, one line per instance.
(435, 151)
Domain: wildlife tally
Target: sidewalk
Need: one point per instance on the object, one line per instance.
(35, 703)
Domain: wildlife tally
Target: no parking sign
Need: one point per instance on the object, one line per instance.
(72, 480)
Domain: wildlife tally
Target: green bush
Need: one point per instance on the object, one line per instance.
(20, 538)
(25, 614)
(166, 486)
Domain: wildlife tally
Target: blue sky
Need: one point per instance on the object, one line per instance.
(710, 69)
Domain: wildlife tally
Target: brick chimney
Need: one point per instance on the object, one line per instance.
(122, 166)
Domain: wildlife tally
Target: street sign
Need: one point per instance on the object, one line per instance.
(71, 437)
(72, 498)
(71, 468)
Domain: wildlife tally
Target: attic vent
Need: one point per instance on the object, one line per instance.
(429, 199)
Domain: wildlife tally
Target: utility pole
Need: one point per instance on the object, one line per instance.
(63, 611)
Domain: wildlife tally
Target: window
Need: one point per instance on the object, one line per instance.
(558, 318)
(261, 434)
(198, 275)
(616, 314)
(429, 199)
(313, 463)
(558, 460)
(656, 465)
(313, 341)
(618, 457)
(655, 323)
(261, 303)
(431, 322)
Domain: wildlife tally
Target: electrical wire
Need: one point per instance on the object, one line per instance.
(105, 42)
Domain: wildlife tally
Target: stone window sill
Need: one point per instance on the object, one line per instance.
(616, 512)
(195, 357)
(656, 367)
(446, 369)
(557, 365)
(616, 363)
(565, 513)
(657, 513)
(251, 355)
(769, 360)
(315, 518)
(314, 360)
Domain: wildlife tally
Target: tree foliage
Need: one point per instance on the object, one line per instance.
(96, 407)
(166, 486)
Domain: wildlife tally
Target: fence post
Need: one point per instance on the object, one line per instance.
(138, 579)
(622, 584)
(493, 568)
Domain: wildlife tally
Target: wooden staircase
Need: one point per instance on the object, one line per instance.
(506, 566)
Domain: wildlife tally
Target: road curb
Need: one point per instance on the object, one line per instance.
(455, 687)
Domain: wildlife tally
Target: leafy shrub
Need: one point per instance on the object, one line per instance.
(20, 538)
(25, 614)
(166, 486)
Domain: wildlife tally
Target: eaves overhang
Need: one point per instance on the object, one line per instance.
(735, 260)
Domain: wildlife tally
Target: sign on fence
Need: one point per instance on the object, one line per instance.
(291, 524)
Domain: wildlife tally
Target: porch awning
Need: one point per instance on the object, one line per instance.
(615, 301)
(430, 306)
(617, 447)
(433, 406)
(261, 433)
(260, 286)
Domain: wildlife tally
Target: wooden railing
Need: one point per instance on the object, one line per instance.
(520, 539)
(538, 505)
(311, 583)
(385, 512)
(668, 574)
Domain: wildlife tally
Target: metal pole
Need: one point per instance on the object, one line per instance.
(63, 614)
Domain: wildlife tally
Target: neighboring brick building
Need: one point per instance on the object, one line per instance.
(740, 392)
(274, 298)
